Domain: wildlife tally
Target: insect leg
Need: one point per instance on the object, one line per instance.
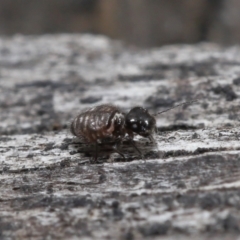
(96, 152)
(115, 148)
(151, 138)
(136, 148)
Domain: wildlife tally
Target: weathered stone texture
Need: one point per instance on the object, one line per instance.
(188, 183)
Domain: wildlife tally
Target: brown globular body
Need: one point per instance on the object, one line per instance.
(99, 124)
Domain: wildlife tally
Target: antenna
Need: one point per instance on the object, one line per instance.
(181, 104)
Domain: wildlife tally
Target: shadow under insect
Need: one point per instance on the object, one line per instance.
(127, 150)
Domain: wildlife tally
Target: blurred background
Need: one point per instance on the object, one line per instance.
(145, 23)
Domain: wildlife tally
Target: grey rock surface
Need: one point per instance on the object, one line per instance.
(186, 186)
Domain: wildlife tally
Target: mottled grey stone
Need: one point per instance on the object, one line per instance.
(186, 185)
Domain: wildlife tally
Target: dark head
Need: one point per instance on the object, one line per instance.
(140, 121)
